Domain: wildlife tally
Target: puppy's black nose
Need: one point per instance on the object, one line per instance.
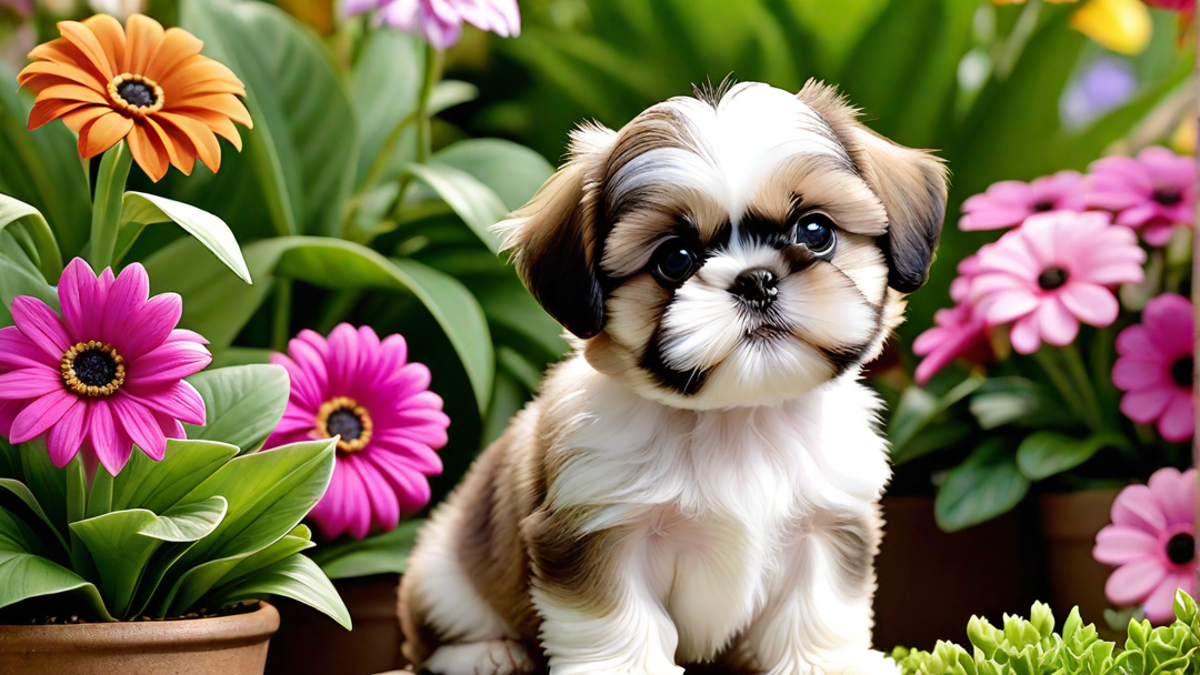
(756, 286)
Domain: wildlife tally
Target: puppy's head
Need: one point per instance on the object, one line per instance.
(735, 249)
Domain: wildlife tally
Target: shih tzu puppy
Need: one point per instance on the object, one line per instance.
(699, 481)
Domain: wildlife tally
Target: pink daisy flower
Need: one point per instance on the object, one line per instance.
(440, 21)
(105, 375)
(1008, 203)
(1152, 541)
(1152, 193)
(1052, 273)
(1173, 5)
(363, 390)
(1155, 367)
(959, 332)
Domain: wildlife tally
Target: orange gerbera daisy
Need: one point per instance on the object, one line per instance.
(149, 86)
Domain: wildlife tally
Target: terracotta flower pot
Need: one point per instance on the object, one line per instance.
(230, 645)
(310, 643)
(1070, 522)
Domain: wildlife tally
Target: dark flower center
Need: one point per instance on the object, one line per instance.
(92, 369)
(136, 93)
(1181, 371)
(344, 417)
(1168, 197)
(1052, 278)
(344, 423)
(1043, 206)
(1181, 548)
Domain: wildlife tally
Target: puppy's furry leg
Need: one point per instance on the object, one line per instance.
(819, 622)
(594, 592)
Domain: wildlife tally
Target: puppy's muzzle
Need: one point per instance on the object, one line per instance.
(757, 287)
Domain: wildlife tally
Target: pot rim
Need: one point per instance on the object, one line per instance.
(140, 635)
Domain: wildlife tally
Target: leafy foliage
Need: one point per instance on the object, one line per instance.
(1031, 647)
(201, 529)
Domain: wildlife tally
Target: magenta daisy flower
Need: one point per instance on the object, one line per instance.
(1152, 193)
(1052, 273)
(1008, 203)
(1152, 539)
(959, 332)
(105, 375)
(1155, 365)
(388, 422)
(440, 21)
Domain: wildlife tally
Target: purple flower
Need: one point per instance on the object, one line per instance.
(1106, 84)
(440, 21)
(105, 375)
(388, 422)
(1008, 203)
(1152, 193)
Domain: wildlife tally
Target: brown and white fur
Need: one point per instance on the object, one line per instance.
(699, 481)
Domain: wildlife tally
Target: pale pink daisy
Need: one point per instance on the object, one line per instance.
(389, 424)
(1055, 271)
(1155, 367)
(1153, 193)
(1008, 203)
(440, 21)
(959, 332)
(105, 375)
(1152, 539)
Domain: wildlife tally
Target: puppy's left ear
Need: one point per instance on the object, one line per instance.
(912, 186)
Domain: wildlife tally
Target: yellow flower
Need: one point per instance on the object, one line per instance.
(1121, 25)
(140, 83)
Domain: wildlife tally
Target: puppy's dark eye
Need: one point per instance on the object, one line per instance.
(674, 262)
(815, 231)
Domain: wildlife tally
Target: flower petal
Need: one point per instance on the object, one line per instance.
(30, 383)
(1090, 303)
(1134, 373)
(1058, 327)
(1116, 545)
(140, 425)
(41, 325)
(1131, 584)
(169, 362)
(179, 400)
(1178, 420)
(1160, 605)
(17, 351)
(1176, 494)
(103, 133)
(40, 415)
(1137, 507)
(148, 327)
(1145, 405)
(112, 448)
(143, 38)
(67, 434)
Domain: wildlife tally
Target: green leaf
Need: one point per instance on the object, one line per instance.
(157, 486)
(268, 492)
(147, 209)
(295, 577)
(513, 172)
(42, 168)
(384, 86)
(477, 204)
(23, 493)
(986, 485)
(20, 276)
(917, 410)
(299, 539)
(15, 211)
(378, 554)
(106, 207)
(122, 542)
(449, 93)
(1045, 453)
(304, 145)
(24, 575)
(47, 482)
(99, 499)
(243, 403)
(1014, 400)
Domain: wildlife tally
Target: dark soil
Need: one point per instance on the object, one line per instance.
(231, 610)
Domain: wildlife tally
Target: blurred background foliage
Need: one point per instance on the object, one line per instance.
(346, 211)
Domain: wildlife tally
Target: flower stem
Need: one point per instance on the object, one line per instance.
(1084, 385)
(106, 205)
(281, 324)
(433, 71)
(1062, 383)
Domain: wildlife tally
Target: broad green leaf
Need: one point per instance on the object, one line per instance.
(22, 492)
(47, 482)
(147, 209)
(268, 492)
(24, 575)
(919, 409)
(378, 554)
(42, 168)
(20, 276)
(384, 85)
(122, 542)
(1014, 400)
(304, 144)
(10, 461)
(99, 499)
(243, 403)
(157, 486)
(216, 303)
(1045, 453)
(15, 211)
(477, 204)
(513, 172)
(299, 539)
(986, 485)
(294, 577)
(449, 93)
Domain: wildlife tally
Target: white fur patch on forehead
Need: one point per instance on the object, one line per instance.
(726, 151)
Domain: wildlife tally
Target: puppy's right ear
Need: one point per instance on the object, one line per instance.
(553, 237)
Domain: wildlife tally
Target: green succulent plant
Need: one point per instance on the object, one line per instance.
(1031, 647)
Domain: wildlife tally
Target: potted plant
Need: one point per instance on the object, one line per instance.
(1080, 354)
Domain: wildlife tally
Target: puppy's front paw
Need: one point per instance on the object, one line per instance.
(493, 657)
(858, 663)
(606, 669)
